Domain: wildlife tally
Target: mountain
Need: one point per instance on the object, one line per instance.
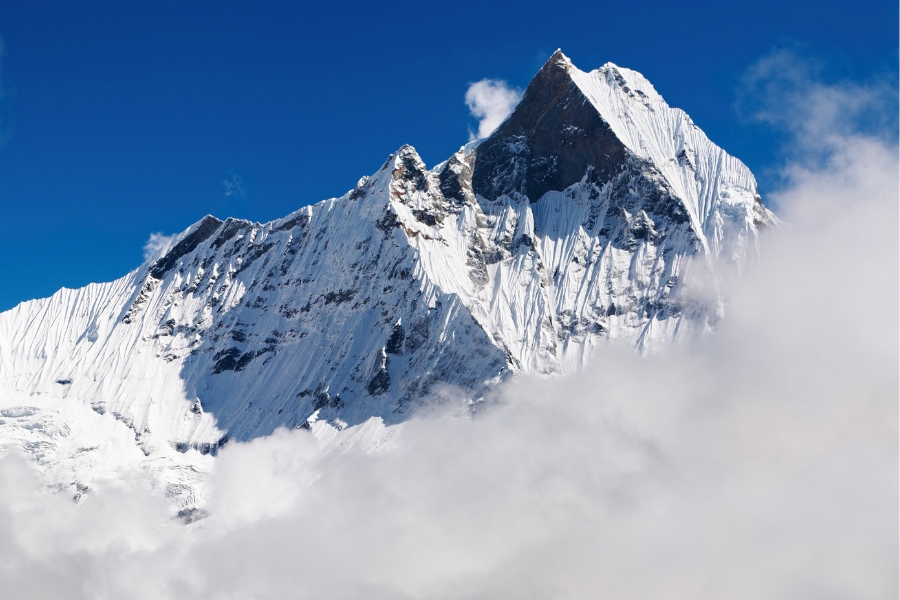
(581, 219)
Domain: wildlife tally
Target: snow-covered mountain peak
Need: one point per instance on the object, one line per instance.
(559, 59)
(571, 123)
(576, 223)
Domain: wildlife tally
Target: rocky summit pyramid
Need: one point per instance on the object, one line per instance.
(577, 221)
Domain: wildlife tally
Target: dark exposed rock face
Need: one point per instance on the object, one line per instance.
(231, 229)
(206, 228)
(455, 180)
(548, 142)
(380, 383)
(395, 342)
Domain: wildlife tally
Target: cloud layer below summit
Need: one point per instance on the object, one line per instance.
(760, 461)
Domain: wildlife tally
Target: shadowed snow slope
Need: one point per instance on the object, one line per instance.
(579, 220)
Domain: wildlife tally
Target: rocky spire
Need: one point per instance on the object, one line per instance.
(549, 142)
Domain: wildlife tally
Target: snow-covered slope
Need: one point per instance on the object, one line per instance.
(577, 221)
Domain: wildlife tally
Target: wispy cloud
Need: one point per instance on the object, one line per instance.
(490, 101)
(157, 245)
(785, 91)
(234, 186)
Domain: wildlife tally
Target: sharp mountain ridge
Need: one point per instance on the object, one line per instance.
(580, 220)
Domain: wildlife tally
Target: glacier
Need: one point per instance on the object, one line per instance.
(581, 220)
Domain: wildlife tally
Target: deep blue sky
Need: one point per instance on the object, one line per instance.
(118, 119)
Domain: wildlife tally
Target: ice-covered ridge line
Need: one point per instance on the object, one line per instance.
(276, 315)
(700, 172)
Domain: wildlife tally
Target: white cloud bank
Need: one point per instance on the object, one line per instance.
(490, 101)
(759, 462)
